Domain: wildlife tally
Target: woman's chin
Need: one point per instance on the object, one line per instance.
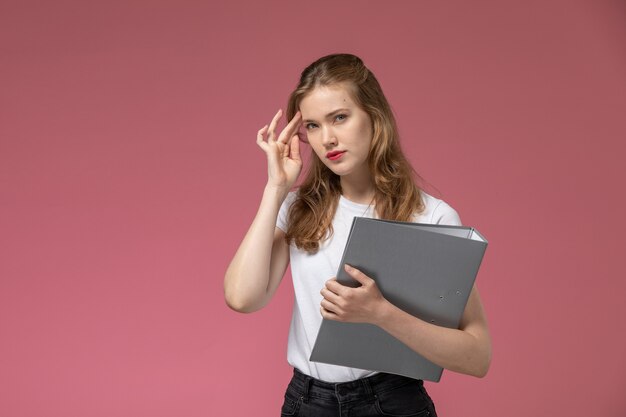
(338, 172)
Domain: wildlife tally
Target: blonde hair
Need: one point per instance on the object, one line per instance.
(397, 197)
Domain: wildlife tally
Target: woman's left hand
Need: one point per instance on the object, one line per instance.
(356, 305)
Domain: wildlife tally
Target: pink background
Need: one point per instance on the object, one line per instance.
(129, 174)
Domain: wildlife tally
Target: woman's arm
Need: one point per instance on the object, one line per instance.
(261, 260)
(466, 350)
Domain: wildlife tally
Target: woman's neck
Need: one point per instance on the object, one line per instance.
(361, 192)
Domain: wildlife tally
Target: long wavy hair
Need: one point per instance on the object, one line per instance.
(397, 197)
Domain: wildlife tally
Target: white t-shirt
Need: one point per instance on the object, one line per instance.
(310, 273)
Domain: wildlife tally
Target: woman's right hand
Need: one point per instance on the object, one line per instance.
(283, 153)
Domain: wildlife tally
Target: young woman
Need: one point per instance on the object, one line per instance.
(357, 169)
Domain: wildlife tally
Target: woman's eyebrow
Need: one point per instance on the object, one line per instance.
(328, 116)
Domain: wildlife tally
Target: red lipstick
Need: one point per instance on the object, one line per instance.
(334, 155)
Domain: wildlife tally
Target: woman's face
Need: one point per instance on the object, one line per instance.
(338, 130)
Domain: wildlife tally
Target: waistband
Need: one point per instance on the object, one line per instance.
(347, 391)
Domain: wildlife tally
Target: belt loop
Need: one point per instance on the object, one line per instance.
(307, 385)
(368, 387)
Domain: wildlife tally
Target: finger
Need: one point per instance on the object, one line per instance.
(291, 128)
(272, 128)
(260, 137)
(357, 275)
(333, 308)
(331, 296)
(334, 286)
(303, 133)
(294, 148)
(329, 315)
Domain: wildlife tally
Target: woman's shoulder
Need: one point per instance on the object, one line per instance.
(437, 211)
(282, 220)
(291, 197)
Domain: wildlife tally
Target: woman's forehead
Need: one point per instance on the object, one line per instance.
(324, 99)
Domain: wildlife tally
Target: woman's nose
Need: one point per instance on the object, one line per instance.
(328, 137)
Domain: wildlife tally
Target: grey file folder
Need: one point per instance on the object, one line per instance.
(426, 270)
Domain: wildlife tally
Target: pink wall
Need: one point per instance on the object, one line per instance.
(129, 174)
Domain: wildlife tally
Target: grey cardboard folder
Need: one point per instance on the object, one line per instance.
(426, 270)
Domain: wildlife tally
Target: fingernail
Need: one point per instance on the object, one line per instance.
(348, 267)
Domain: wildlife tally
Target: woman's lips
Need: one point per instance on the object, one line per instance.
(333, 156)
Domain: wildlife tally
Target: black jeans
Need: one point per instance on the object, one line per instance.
(378, 395)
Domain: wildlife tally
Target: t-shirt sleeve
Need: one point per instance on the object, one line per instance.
(283, 213)
(446, 215)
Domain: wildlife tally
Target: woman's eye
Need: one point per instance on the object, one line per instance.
(340, 117)
(309, 126)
